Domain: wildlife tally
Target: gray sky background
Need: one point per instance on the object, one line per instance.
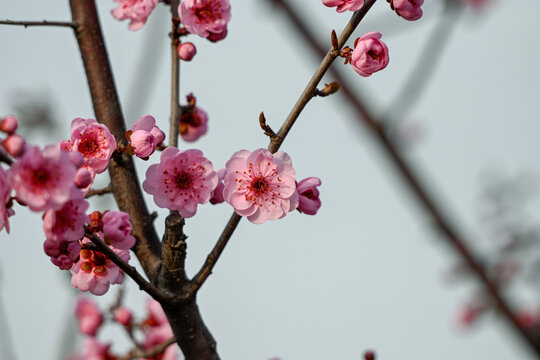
(366, 272)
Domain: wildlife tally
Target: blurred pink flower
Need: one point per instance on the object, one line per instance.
(260, 185)
(94, 141)
(94, 350)
(157, 330)
(67, 223)
(344, 5)
(186, 51)
(14, 145)
(123, 316)
(89, 316)
(370, 54)
(43, 180)
(205, 17)
(181, 181)
(5, 197)
(407, 9)
(117, 229)
(9, 124)
(309, 195)
(193, 123)
(95, 272)
(137, 11)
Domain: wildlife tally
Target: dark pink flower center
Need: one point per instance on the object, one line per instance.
(88, 146)
(183, 180)
(309, 194)
(40, 176)
(259, 185)
(93, 260)
(209, 12)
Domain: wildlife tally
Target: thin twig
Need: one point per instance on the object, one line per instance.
(416, 186)
(148, 354)
(105, 190)
(277, 140)
(131, 271)
(39, 23)
(5, 158)
(175, 77)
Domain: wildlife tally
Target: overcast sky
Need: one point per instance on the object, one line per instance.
(367, 272)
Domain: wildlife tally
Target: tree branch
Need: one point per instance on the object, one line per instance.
(276, 141)
(148, 354)
(412, 180)
(105, 190)
(124, 182)
(175, 76)
(131, 271)
(72, 25)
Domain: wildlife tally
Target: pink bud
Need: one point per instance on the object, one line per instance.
(143, 143)
(83, 178)
(158, 135)
(370, 54)
(217, 36)
(117, 229)
(89, 316)
(9, 124)
(408, 9)
(309, 201)
(75, 157)
(123, 316)
(186, 51)
(14, 145)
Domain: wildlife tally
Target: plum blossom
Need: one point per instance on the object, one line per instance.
(94, 141)
(260, 185)
(193, 121)
(95, 272)
(145, 136)
(43, 180)
(67, 223)
(407, 9)
(206, 18)
(62, 253)
(9, 124)
(181, 181)
(186, 51)
(370, 54)
(157, 330)
(14, 145)
(137, 11)
(5, 198)
(117, 229)
(309, 195)
(217, 195)
(344, 5)
(123, 316)
(89, 316)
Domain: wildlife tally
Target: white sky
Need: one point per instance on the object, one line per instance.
(366, 272)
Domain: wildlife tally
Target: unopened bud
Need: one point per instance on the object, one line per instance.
(186, 51)
(9, 124)
(14, 145)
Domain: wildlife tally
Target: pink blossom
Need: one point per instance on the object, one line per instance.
(370, 54)
(67, 223)
(9, 124)
(186, 51)
(193, 123)
(43, 180)
(14, 145)
(94, 350)
(5, 198)
(217, 195)
(205, 17)
(123, 316)
(157, 330)
(89, 316)
(309, 195)
(117, 229)
(145, 136)
(260, 185)
(137, 11)
(95, 272)
(62, 253)
(181, 181)
(94, 141)
(344, 5)
(408, 9)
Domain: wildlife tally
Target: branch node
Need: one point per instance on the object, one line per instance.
(328, 89)
(266, 128)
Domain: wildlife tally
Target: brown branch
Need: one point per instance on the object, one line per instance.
(173, 254)
(412, 180)
(72, 25)
(175, 76)
(99, 192)
(5, 158)
(124, 183)
(276, 141)
(150, 353)
(131, 271)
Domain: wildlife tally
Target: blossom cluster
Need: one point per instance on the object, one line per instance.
(155, 329)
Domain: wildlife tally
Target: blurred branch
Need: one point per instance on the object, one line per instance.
(150, 353)
(39, 23)
(276, 141)
(416, 186)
